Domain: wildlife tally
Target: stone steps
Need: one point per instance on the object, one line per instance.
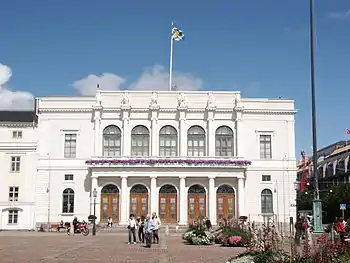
(122, 228)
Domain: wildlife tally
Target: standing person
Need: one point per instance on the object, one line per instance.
(148, 229)
(110, 222)
(132, 228)
(157, 224)
(308, 230)
(140, 225)
(298, 230)
(341, 229)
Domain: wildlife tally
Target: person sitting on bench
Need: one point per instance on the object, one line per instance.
(60, 226)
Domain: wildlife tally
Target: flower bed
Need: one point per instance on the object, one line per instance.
(199, 233)
(232, 233)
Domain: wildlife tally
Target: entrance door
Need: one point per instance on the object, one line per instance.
(196, 202)
(225, 202)
(110, 203)
(168, 204)
(139, 200)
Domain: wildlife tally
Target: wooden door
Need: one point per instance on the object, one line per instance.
(225, 206)
(139, 204)
(168, 208)
(196, 206)
(109, 207)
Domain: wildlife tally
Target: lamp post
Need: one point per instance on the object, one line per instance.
(94, 193)
(316, 203)
(297, 188)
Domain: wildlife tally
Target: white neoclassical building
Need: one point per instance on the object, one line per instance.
(18, 163)
(180, 154)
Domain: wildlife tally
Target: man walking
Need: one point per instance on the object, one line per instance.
(148, 228)
(157, 224)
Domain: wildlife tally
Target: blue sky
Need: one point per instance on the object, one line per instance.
(258, 47)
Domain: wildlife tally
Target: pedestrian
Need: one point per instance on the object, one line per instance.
(132, 228)
(341, 229)
(148, 229)
(298, 231)
(140, 226)
(157, 223)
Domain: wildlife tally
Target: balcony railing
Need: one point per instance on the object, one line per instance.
(168, 161)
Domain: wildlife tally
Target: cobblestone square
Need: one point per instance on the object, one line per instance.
(105, 247)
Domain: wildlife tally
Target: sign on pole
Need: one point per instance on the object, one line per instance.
(342, 206)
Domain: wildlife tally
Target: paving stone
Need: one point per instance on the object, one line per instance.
(107, 248)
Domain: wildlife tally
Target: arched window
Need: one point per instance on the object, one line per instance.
(140, 141)
(196, 141)
(68, 201)
(224, 142)
(266, 202)
(111, 141)
(168, 141)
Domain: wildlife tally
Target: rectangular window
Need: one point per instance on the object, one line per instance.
(68, 177)
(266, 178)
(13, 217)
(265, 147)
(13, 193)
(17, 134)
(15, 163)
(70, 145)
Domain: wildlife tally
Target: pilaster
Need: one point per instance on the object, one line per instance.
(126, 143)
(241, 196)
(183, 132)
(211, 133)
(154, 130)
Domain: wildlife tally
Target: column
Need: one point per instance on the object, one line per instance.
(241, 195)
(126, 143)
(94, 185)
(97, 132)
(183, 134)
(211, 134)
(212, 200)
(124, 201)
(154, 148)
(154, 195)
(182, 201)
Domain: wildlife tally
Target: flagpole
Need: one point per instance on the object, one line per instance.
(171, 62)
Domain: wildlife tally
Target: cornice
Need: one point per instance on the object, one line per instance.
(174, 110)
(17, 124)
(81, 110)
(269, 112)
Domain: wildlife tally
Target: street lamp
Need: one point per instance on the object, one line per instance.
(297, 185)
(94, 193)
(317, 204)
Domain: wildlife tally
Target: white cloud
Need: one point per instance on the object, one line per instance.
(155, 78)
(339, 15)
(12, 100)
(107, 81)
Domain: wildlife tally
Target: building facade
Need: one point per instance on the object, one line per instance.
(182, 155)
(18, 159)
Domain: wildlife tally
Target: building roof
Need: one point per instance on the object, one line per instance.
(18, 116)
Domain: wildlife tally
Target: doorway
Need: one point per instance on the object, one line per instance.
(110, 203)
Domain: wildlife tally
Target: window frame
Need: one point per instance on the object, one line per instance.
(168, 137)
(13, 193)
(264, 204)
(15, 164)
(67, 176)
(117, 149)
(140, 137)
(16, 134)
(265, 142)
(70, 155)
(196, 138)
(69, 194)
(13, 215)
(224, 138)
(266, 181)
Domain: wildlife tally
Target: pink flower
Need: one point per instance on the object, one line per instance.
(234, 240)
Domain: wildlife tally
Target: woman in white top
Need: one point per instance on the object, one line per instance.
(132, 228)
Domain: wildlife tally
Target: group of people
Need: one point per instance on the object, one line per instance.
(304, 227)
(146, 227)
